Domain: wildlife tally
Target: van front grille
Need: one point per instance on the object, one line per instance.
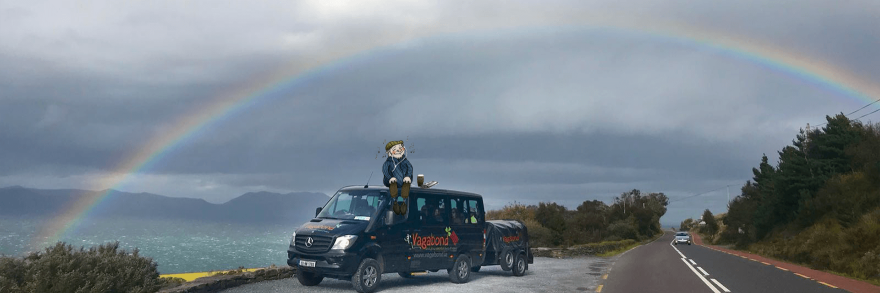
(319, 243)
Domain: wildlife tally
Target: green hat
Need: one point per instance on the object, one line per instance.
(392, 144)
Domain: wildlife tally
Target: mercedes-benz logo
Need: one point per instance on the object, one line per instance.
(309, 242)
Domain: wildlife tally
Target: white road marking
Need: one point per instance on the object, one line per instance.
(720, 286)
(684, 259)
(704, 272)
(701, 277)
(692, 262)
(676, 250)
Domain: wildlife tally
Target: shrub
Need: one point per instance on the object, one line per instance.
(539, 236)
(62, 268)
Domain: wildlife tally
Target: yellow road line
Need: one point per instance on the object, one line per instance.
(752, 259)
(826, 284)
(801, 275)
(766, 263)
(599, 289)
(189, 277)
(784, 269)
(605, 277)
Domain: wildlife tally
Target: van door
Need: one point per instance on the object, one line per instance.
(393, 240)
(467, 232)
(429, 237)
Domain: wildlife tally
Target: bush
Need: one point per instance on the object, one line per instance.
(539, 236)
(62, 268)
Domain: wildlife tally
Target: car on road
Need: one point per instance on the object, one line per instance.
(682, 237)
(358, 235)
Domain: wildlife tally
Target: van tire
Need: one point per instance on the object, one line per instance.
(308, 278)
(366, 278)
(461, 270)
(519, 265)
(506, 259)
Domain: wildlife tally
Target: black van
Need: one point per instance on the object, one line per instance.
(356, 236)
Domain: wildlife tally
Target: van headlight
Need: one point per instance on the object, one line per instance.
(293, 239)
(344, 242)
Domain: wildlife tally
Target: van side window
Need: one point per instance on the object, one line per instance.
(473, 215)
(456, 215)
(432, 210)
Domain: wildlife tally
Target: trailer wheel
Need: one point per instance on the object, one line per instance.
(519, 268)
(506, 258)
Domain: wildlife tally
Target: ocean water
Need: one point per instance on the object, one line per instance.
(177, 246)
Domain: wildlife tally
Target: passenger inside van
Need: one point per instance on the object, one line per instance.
(455, 217)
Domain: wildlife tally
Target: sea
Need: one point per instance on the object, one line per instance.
(176, 246)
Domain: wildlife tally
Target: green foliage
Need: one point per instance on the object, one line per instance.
(711, 225)
(820, 205)
(538, 235)
(686, 225)
(634, 216)
(62, 268)
(513, 211)
(552, 216)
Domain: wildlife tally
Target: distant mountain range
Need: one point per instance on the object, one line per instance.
(252, 207)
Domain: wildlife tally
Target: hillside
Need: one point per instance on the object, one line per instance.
(254, 207)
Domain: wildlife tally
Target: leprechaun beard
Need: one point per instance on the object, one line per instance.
(397, 156)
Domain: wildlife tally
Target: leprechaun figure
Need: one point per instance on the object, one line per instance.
(398, 173)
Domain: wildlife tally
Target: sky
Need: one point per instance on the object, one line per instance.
(519, 101)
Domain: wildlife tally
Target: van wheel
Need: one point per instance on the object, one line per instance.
(519, 267)
(506, 259)
(367, 277)
(407, 275)
(475, 269)
(308, 278)
(461, 270)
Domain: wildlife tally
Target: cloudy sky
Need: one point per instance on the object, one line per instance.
(559, 101)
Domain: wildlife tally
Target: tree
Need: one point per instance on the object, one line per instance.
(552, 216)
(711, 225)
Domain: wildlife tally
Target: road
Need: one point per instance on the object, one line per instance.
(657, 267)
(580, 274)
(661, 267)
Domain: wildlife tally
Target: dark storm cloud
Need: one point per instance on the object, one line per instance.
(518, 102)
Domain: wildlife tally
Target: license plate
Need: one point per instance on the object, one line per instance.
(307, 263)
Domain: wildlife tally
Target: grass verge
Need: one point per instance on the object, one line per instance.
(628, 247)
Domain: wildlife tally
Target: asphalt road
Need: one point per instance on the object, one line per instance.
(581, 274)
(661, 267)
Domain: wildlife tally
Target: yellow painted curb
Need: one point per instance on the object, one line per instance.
(189, 277)
(599, 289)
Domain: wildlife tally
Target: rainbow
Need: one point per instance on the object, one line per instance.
(814, 72)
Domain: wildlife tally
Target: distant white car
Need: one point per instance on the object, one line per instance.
(682, 237)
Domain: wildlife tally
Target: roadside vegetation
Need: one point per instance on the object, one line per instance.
(633, 215)
(818, 206)
(62, 268)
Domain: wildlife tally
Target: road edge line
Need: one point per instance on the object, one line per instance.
(720, 286)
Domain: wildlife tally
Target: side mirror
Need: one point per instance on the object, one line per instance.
(317, 211)
(389, 218)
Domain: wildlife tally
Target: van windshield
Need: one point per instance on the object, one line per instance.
(352, 205)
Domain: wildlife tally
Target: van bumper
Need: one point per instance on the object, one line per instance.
(330, 263)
